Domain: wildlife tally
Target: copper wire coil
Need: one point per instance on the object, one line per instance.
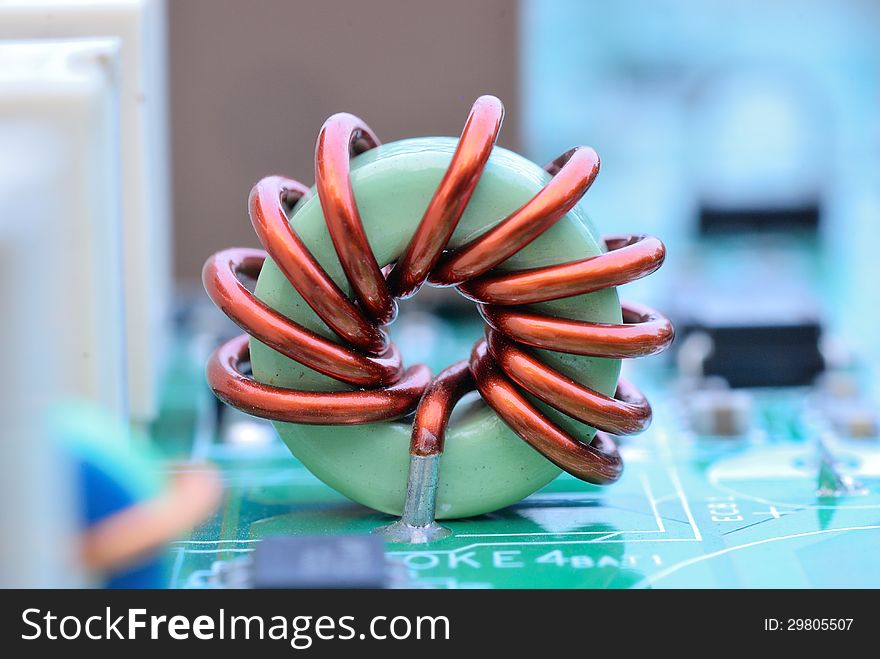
(501, 367)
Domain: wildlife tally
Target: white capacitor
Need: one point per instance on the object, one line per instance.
(140, 27)
(62, 317)
(720, 412)
(36, 505)
(58, 121)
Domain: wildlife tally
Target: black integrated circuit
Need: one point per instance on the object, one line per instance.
(763, 355)
(715, 220)
(340, 561)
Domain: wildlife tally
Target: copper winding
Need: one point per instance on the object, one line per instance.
(501, 366)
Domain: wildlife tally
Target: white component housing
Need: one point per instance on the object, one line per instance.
(139, 25)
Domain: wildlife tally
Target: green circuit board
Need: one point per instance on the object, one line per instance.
(761, 510)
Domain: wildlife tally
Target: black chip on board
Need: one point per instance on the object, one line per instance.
(714, 221)
(772, 355)
(346, 561)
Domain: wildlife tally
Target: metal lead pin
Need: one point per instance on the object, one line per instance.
(417, 524)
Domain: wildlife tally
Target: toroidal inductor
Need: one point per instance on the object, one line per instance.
(382, 221)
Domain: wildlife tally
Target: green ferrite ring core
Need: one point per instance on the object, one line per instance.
(485, 466)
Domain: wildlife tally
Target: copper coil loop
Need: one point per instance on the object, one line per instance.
(501, 366)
